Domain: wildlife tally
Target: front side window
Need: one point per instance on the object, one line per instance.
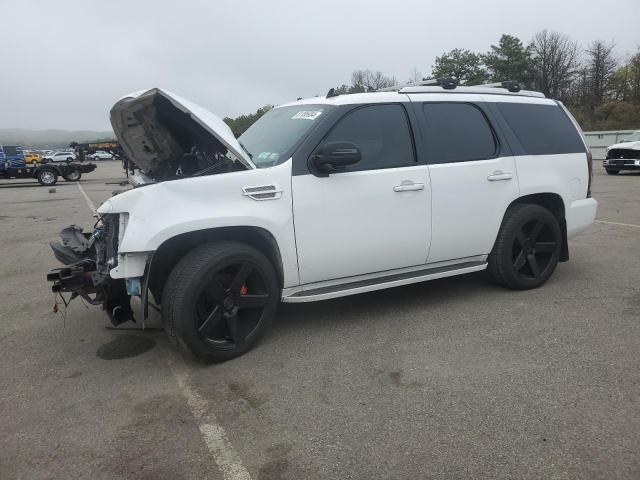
(457, 132)
(382, 134)
(269, 141)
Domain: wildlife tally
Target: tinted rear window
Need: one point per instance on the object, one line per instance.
(542, 129)
(457, 132)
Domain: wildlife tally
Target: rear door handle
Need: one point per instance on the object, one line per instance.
(408, 187)
(499, 175)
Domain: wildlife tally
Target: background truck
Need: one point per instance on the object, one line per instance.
(13, 165)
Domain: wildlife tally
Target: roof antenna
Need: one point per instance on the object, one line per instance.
(332, 93)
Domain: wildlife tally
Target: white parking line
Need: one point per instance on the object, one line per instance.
(92, 207)
(620, 224)
(214, 435)
(224, 454)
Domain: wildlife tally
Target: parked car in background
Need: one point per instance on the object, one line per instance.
(624, 155)
(59, 157)
(31, 157)
(13, 156)
(102, 155)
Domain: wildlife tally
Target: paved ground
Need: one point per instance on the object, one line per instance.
(449, 379)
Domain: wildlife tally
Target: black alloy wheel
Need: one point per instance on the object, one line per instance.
(533, 248)
(527, 249)
(220, 298)
(231, 304)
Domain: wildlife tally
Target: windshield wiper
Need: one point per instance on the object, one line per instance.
(245, 149)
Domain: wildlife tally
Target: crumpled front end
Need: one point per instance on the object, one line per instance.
(88, 259)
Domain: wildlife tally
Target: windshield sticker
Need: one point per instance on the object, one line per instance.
(307, 114)
(274, 156)
(264, 155)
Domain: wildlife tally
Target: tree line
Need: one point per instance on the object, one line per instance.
(600, 88)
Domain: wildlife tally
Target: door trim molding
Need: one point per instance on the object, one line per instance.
(382, 280)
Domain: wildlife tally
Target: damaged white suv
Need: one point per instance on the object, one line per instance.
(323, 198)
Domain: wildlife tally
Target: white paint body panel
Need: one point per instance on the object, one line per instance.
(566, 175)
(161, 211)
(354, 223)
(467, 207)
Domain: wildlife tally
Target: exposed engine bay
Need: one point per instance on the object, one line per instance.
(166, 142)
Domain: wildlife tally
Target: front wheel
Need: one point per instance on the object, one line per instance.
(219, 299)
(527, 249)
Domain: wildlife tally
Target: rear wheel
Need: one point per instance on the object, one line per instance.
(611, 171)
(47, 177)
(219, 299)
(527, 249)
(72, 175)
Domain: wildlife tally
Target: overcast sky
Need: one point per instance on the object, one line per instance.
(64, 63)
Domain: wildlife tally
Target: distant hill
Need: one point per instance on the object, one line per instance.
(51, 138)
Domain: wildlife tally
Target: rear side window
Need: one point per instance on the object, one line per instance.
(457, 132)
(382, 134)
(542, 129)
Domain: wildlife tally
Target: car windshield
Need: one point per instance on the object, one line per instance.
(634, 137)
(269, 141)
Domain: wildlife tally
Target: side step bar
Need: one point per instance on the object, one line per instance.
(395, 280)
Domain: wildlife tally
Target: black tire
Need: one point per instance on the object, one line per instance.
(527, 249)
(611, 171)
(47, 177)
(72, 174)
(209, 304)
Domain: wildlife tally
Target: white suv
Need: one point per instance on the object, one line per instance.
(102, 155)
(327, 197)
(59, 157)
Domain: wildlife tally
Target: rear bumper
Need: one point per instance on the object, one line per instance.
(579, 215)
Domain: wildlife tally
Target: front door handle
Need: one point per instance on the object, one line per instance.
(408, 187)
(499, 175)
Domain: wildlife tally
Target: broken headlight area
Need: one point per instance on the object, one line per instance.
(87, 259)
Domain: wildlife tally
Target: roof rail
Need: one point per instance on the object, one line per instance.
(511, 85)
(448, 83)
(508, 87)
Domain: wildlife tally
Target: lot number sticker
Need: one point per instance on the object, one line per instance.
(307, 114)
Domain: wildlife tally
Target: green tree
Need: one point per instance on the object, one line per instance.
(510, 60)
(464, 65)
(239, 124)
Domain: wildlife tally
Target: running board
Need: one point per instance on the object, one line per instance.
(396, 280)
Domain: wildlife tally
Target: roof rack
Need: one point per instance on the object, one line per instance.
(448, 83)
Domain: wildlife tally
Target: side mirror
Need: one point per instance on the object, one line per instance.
(334, 156)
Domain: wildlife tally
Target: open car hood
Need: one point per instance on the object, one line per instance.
(156, 129)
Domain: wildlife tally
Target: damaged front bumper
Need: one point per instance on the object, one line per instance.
(94, 271)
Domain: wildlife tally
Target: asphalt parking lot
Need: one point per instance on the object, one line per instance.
(455, 378)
